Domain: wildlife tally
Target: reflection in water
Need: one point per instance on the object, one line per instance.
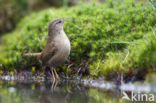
(63, 93)
(58, 92)
(49, 92)
(52, 94)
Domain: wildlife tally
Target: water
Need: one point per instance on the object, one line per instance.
(73, 91)
(49, 92)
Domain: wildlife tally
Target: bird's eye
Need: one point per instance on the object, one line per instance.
(59, 21)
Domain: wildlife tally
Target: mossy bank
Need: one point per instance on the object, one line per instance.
(106, 39)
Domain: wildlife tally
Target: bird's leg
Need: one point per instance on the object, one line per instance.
(57, 76)
(53, 74)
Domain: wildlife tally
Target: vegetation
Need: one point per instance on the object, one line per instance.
(11, 11)
(118, 36)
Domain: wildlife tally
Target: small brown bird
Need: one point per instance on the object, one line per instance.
(57, 48)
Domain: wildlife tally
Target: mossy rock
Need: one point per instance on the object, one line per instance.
(107, 38)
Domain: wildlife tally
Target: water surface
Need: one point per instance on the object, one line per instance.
(86, 91)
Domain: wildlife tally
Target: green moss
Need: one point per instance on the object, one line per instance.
(139, 56)
(101, 34)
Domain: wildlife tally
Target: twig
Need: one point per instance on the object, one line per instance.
(126, 57)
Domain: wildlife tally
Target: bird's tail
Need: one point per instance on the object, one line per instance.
(38, 55)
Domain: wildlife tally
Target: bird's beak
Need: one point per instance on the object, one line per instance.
(66, 19)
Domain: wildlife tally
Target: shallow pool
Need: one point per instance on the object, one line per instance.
(86, 91)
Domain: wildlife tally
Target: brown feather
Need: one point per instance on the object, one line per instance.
(48, 52)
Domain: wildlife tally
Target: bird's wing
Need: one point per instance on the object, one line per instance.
(48, 52)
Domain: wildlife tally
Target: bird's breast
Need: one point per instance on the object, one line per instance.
(62, 44)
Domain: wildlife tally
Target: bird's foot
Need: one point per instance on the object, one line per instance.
(54, 75)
